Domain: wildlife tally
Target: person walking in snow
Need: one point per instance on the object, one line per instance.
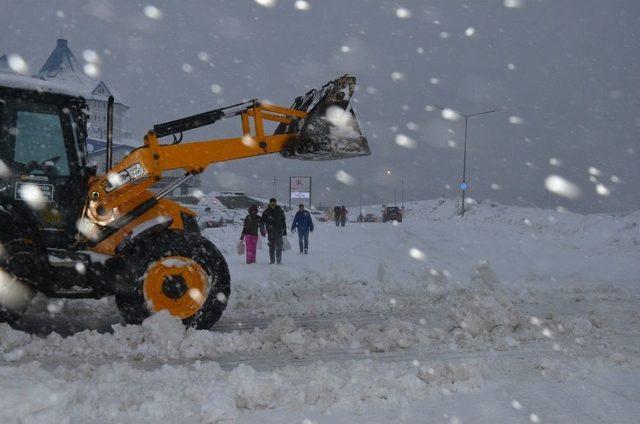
(250, 233)
(304, 224)
(343, 215)
(336, 215)
(274, 226)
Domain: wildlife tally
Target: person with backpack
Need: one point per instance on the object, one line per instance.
(274, 226)
(304, 224)
(250, 233)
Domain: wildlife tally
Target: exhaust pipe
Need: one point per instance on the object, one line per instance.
(109, 163)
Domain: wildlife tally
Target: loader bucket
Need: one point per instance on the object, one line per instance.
(330, 131)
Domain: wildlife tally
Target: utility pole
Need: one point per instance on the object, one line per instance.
(463, 185)
(360, 194)
(274, 186)
(402, 190)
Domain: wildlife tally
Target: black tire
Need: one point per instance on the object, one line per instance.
(7, 316)
(148, 250)
(23, 254)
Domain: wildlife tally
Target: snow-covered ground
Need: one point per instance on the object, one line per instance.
(506, 315)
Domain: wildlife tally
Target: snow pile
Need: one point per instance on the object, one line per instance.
(483, 311)
(477, 317)
(204, 393)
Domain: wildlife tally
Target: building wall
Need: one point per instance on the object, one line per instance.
(98, 120)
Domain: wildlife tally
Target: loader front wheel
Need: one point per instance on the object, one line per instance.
(186, 276)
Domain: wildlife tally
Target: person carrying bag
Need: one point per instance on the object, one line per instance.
(249, 236)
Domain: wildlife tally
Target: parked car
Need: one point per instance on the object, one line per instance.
(392, 213)
(206, 219)
(370, 218)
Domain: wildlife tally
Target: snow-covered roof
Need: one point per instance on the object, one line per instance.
(62, 65)
(27, 83)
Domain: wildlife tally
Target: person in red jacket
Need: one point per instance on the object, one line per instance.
(343, 215)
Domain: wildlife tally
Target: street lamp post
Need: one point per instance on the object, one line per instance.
(395, 199)
(463, 184)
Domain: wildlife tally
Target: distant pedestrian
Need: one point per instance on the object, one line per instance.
(343, 215)
(250, 233)
(337, 211)
(304, 224)
(274, 226)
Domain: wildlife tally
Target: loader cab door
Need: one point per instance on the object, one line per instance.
(41, 145)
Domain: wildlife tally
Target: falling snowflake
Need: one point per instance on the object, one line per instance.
(267, 3)
(397, 76)
(405, 141)
(562, 187)
(403, 13)
(417, 254)
(17, 64)
(345, 178)
(152, 12)
(450, 114)
(412, 126)
(594, 171)
(513, 3)
(602, 190)
(302, 5)
(470, 32)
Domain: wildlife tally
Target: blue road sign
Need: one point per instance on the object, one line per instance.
(463, 186)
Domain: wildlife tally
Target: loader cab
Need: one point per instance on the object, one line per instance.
(42, 149)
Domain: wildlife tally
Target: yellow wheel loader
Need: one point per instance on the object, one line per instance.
(66, 231)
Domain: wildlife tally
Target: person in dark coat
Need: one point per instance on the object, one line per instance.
(250, 233)
(343, 215)
(304, 224)
(336, 214)
(274, 225)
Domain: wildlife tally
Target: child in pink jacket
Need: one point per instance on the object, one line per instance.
(250, 233)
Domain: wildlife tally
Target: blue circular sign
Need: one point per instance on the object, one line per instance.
(463, 186)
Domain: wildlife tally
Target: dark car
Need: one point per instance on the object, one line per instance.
(392, 213)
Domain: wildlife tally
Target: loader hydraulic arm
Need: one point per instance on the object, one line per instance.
(126, 185)
(320, 125)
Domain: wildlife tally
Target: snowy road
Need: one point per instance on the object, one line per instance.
(380, 322)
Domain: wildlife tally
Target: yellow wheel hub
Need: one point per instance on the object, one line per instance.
(177, 284)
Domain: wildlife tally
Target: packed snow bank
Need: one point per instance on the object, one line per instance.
(204, 393)
(478, 317)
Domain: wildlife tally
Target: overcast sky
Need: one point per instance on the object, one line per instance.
(563, 75)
